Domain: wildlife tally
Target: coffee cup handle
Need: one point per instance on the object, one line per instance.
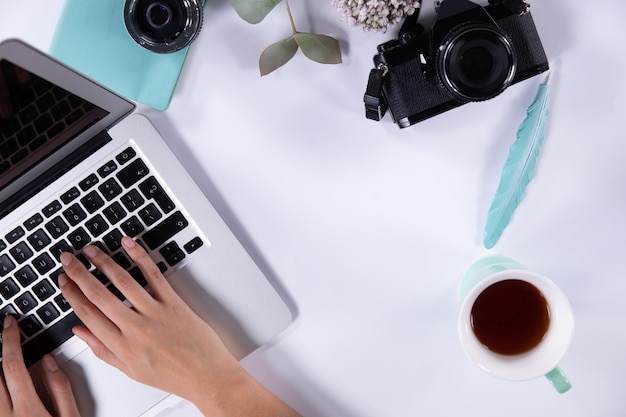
(559, 380)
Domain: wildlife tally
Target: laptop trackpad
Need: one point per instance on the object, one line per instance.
(103, 391)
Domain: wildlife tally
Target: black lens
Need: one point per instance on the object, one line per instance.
(163, 25)
(476, 63)
(158, 15)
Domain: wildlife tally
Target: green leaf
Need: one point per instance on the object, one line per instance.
(319, 48)
(277, 54)
(253, 11)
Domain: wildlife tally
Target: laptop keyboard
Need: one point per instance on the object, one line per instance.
(121, 197)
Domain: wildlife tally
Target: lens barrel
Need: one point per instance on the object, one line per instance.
(163, 26)
(476, 62)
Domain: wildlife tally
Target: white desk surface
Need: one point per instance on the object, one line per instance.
(370, 227)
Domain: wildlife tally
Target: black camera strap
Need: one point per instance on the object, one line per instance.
(375, 103)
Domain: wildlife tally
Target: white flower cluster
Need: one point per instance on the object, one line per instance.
(375, 15)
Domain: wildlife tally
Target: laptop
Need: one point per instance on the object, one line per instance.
(79, 166)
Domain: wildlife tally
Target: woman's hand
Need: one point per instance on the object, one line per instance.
(160, 341)
(18, 397)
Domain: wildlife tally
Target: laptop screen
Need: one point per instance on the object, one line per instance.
(36, 119)
(51, 118)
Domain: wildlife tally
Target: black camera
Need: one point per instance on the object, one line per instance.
(163, 25)
(472, 53)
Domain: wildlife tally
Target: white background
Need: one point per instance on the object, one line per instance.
(369, 227)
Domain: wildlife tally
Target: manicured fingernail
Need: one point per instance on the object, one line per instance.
(62, 280)
(50, 364)
(90, 252)
(128, 242)
(66, 258)
(8, 321)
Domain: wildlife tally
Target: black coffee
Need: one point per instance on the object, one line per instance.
(510, 317)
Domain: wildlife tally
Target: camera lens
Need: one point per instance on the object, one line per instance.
(158, 15)
(476, 63)
(163, 25)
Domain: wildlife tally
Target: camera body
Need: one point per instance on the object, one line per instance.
(471, 53)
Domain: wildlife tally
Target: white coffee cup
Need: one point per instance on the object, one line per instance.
(541, 360)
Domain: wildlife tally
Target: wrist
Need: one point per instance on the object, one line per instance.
(238, 393)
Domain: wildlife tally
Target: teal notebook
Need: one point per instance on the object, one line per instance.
(91, 37)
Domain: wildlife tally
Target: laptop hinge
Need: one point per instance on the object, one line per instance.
(54, 173)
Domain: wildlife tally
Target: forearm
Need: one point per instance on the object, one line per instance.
(241, 395)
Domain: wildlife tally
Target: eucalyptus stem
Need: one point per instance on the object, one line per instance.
(293, 25)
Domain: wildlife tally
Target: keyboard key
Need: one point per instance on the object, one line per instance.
(33, 222)
(25, 302)
(114, 213)
(132, 173)
(92, 201)
(8, 311)
(132, 200)
(43, 289)
(60, 110)
(62, 303)
(152, 190)
(96, 225)
(110, 189)
(165, 230)
(169, 249)
(107, 169)
(132, 226)
(15, 234)
(43, 263)
(58, 248)
(19, 155)
(45, 102)
(26, 135)
(8, 148)
(43, 123)
(150, 214)
(39, 240)
(3, 245)
(125, 156)
(25, 276)
(74, 214)
(138, 276)
(38, 143)
(30, 325)
(47, 313)
(54, 276)
(55, 130)
(21, 252)
(57, 227)
(6, 265)
(51, 208)
(121, 260)
(113, 240)
(70, 195)
(116, 292)
(172, 253)
(50, 339)
(193, 245)
(8, 288)
(74, 116)
(88, 182)
(100, 276)
(79, 238)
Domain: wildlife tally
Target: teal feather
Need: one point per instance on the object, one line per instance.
(518, 168)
